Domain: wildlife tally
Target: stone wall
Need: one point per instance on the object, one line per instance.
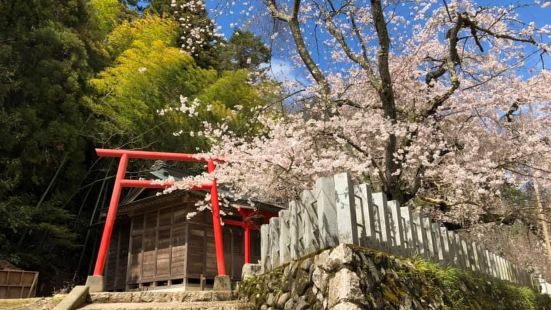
(338, 211)
(352, 277)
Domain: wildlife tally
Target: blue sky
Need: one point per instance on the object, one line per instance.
(285, 69)
(228, 19)
(534, 13)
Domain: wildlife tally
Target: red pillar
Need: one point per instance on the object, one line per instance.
(247, 243)
(216, 224)
(111, 215)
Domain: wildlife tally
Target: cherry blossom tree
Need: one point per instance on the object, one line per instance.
(439, 102)
(436, 103)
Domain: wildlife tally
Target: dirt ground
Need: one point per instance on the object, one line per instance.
(39, 303)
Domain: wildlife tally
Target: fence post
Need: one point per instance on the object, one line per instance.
(502, 268)
(460, 253)
(274, 241)
(421, 237)
(465, 252)
(346, 211)
(432, 253)
(379, 199)
(293, 230)
(327, 212)
(365, 216)
(396, 227)
(284, 237)
(455, 248)
(265, 247)
(409, 231)
(491, 265)
(475, 256)
(481, 259)
(506, 269)
(446, 250)
(438, 241)
(310, 222)
(498, 267)
(507, 272)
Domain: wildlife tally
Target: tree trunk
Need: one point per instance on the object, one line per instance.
(541, 218)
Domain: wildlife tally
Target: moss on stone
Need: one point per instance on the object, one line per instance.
(392, 282)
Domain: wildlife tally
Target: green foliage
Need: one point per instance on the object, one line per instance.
(149, 76)
(243, 51)
(147, 30)
(105, 15)
(145, 79)
(467, 290)
(161, 7)
(46, 52)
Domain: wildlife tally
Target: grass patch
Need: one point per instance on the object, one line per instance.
(472, 290)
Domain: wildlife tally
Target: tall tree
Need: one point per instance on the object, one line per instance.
(432, 108)
(46, 52)
(244, 50)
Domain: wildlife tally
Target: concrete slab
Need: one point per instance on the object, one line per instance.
(95, 283)
(75, 299)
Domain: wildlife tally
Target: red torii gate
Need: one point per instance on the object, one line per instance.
(121, 182)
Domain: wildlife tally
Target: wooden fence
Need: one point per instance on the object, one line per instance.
(337, 211)
(17, 284)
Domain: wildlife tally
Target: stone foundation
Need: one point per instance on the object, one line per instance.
(351, 277)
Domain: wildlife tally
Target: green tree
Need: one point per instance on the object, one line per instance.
(147, 29)
(45, 49)
(105, 15)
(244, 50)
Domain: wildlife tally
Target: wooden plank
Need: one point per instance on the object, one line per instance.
(3, 277)
(129, 259)
(210, 263)
(156, 245)
(32, 289)
(170, 244)
(22, 288)
(196, 246)
(142, 251)
(163, 253)
(122, 269)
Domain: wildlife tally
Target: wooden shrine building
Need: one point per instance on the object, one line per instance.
(159, 241)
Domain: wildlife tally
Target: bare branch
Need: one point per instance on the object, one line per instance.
(302, 49)
(276, 13)
(362, 59)
(472, 24)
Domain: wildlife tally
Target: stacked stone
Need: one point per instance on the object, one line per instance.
(338, 278)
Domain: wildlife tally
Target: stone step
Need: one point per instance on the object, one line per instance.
(207, 305)
(161, 296)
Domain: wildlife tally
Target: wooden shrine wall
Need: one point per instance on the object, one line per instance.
(161, 247)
